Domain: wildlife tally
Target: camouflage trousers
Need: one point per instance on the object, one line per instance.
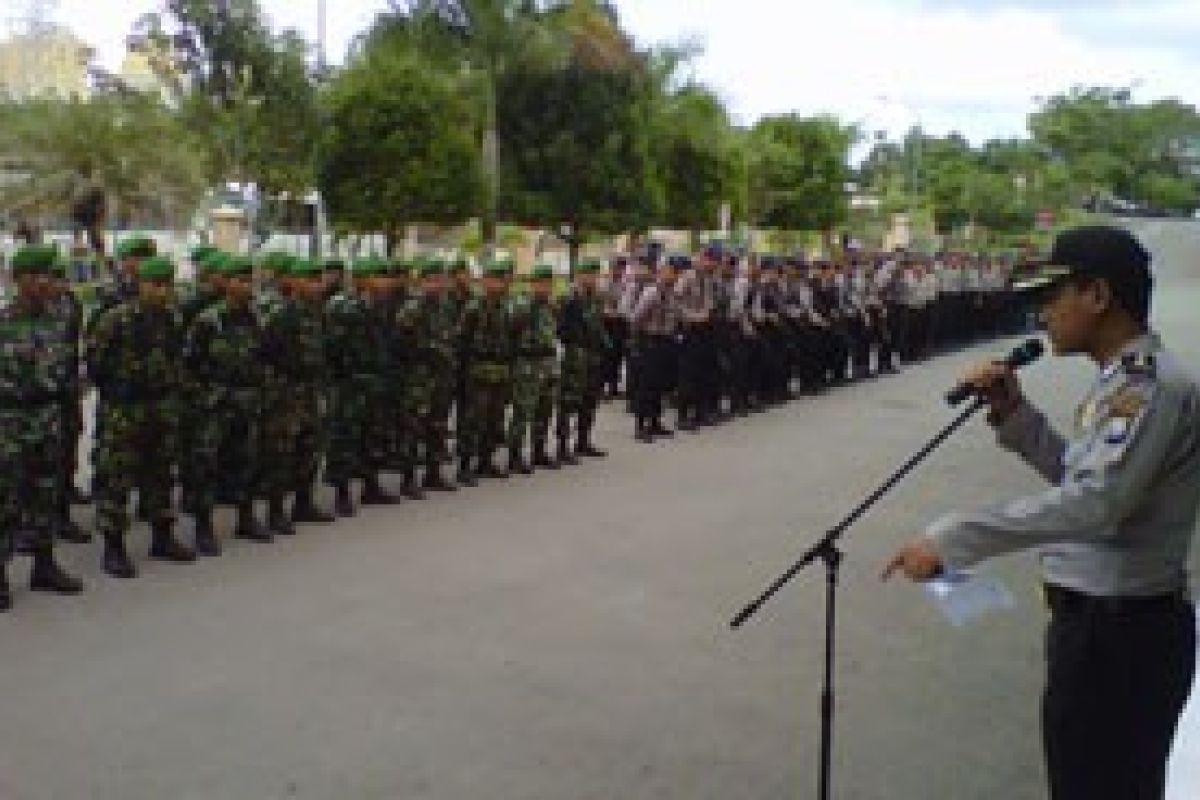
(412, 402)
(349, 411)
(29, 468)
(435, 427)
(135, 446)
(534, 386)
(482, 430)
(579, 392)
(227, 448)
(287, 407)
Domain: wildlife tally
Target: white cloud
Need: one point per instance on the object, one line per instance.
(971, 65)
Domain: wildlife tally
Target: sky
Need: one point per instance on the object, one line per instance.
(975, 66)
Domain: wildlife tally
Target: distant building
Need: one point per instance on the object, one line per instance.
(49, 61)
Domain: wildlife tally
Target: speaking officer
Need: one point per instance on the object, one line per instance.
(1113, 529)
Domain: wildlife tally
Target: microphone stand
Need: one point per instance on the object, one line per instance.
(826, 551)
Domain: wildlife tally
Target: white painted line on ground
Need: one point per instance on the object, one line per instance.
(1183, 781)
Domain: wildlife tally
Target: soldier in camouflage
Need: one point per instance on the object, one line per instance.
(34, 361)
(223, 353)
(67, 307)
(458, 299)
(132, 353)
(585, 348)
(487, 343)
(305, 334)
(535, 374)
(280, 423)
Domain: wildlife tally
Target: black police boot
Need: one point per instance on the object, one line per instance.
(5, 592)
(466, 477)
(373, 493)
(410, 488)
(434, 480)
(305, 510)
(642, 431)
(584, 446)
(517, 464)
(165, 547)
(116, 558)
(343, 504)
(565, 457)
(278, 520)
(248, 527)
(48, 576)
(541, 459)
(206, 540)
(78, 497)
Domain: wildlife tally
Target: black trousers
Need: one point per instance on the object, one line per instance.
(1117, 681)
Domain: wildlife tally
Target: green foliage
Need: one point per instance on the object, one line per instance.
(1114, 146)
(401, 146)
(797, 172)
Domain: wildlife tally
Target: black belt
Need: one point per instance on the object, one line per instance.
(1060, 599)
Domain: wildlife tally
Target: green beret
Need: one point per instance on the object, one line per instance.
(305, 268)
(589, 266)
(213, 262)
(61, 267)
(458, 266)
(238, 265)
(333, 265)
(34, 259)
(201, 252)
(137, 247)
(432, 267)
(541, 272)
(364, 267)
(276, 262)
(496, 268)
(156, 268)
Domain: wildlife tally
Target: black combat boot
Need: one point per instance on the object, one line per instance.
(642, 431)
(565, 457)
(248, 527)
(584, 446)
(541, 459)
(466, 476)
(343, 504)
(48, 576)
(278, 520)
(488, 468)
(374, 494)
(658, 429)
(165, 547)
(5, 592)
(434, 480)
(206, 540)
(305, 510)
(517, 464)
(410, 488)
(116, 558)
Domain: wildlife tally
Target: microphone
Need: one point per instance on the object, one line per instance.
(1022, 356)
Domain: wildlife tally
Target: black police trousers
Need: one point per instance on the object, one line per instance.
(1118, 677)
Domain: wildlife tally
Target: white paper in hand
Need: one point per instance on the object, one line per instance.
(964, 596)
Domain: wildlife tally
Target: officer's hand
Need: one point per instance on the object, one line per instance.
(999, 388)
(918, 560)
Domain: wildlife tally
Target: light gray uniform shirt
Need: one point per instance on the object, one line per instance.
(1126, 484)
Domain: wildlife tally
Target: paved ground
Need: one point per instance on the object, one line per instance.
(564, 637)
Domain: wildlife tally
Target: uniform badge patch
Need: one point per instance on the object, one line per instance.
(1126, 404)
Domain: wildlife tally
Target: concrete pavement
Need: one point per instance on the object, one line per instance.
(564, 637)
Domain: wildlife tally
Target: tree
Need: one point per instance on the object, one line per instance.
(797, 172)
(247, 90)
(401, 146)
(120, 155)
(480, 42)
(579, 154)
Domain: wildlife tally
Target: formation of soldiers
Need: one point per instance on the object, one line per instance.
(261, 379)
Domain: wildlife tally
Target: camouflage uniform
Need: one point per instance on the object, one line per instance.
(534, 383)
(133, 357)
(224, 357)
(68, 308)
(487, 344)
(585, 349)
(349, 365)
(281, 421)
